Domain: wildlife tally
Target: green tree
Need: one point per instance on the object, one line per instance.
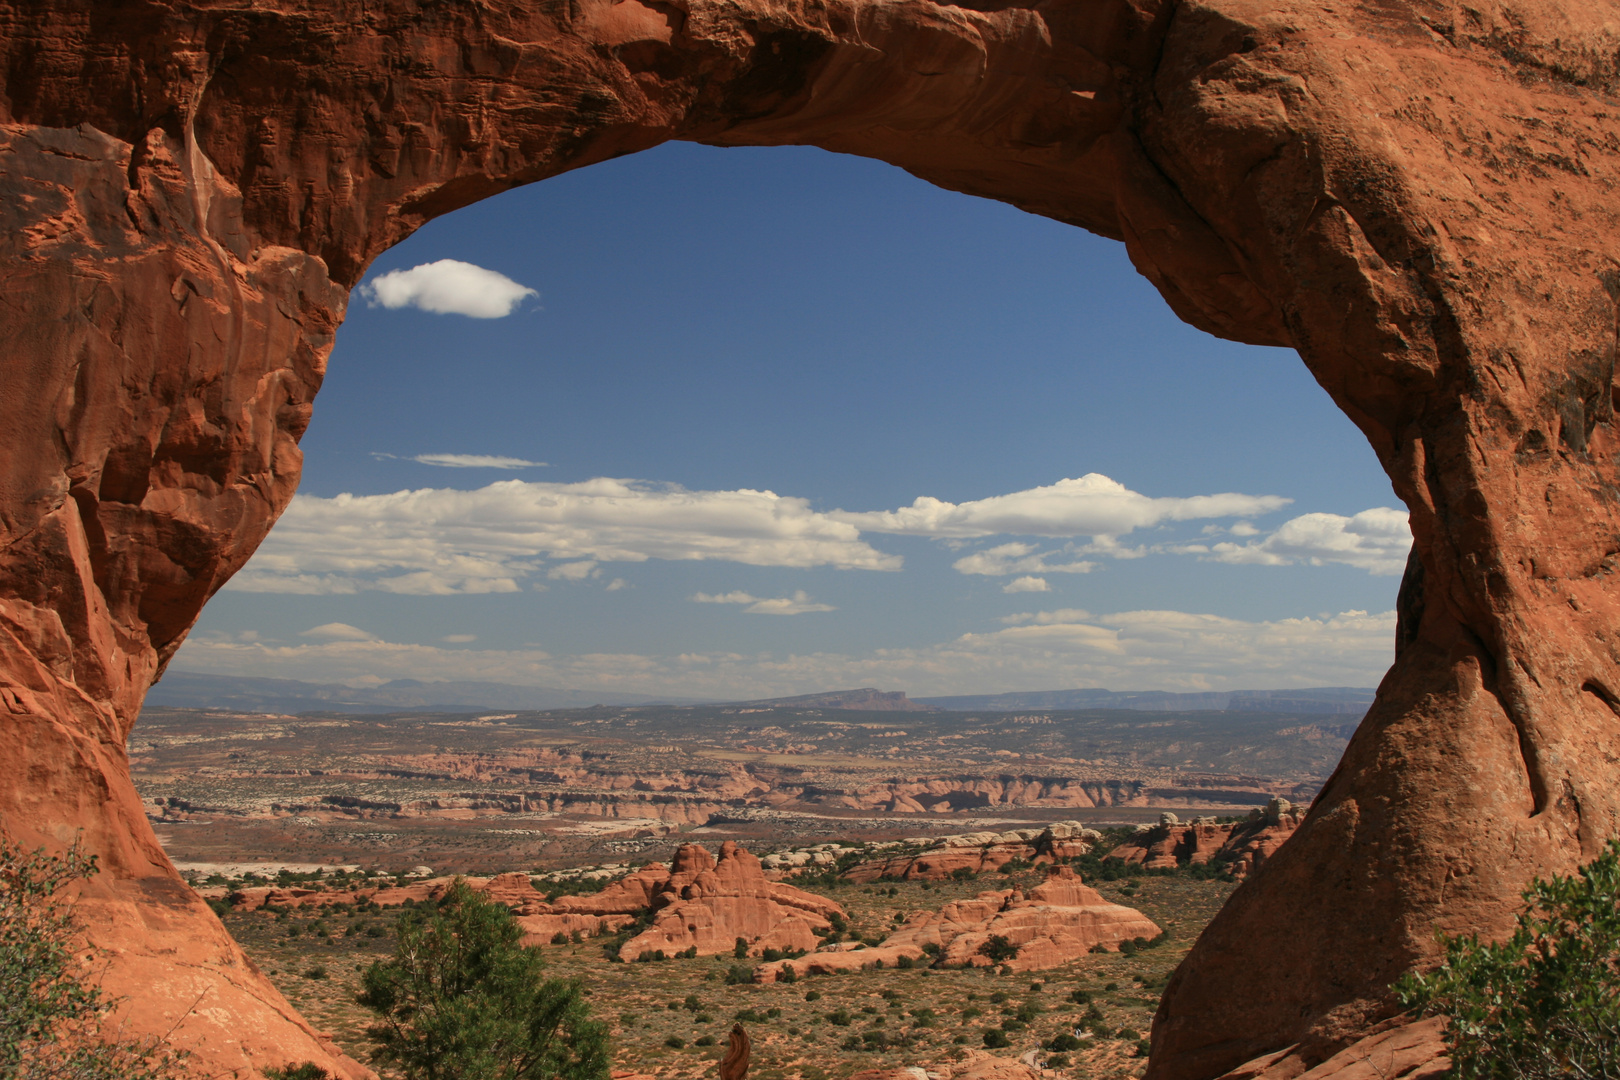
(462, 1000)
(51, 1015)
(1545, 1002)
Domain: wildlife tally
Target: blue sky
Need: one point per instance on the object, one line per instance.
(691, 328)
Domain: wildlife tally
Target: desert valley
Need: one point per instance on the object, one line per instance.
(898, 886)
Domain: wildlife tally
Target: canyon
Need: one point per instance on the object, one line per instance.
(1414, 195)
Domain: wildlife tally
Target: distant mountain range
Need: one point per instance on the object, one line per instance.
(1327, 700)
(190, 690)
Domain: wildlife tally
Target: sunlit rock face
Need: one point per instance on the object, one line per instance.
(1414, 194)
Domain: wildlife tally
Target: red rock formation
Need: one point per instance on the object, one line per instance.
(1240, 848)
(1171, 844)
(708, 905)
(1060, 920)
(1415, 194)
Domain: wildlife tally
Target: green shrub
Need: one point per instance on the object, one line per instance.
(51, 1022)
(307, 1071)
(739, 974)
(703, 1040)
(996, 1039)
(1545, 1002)
(461, 997)
(812, 995)
(839, 1017)
(675, 1042)
(740, 949)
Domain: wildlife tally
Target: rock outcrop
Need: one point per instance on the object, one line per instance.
(979, 853)
(1239, 848)
(1415, 194)
(1059, 920)
(707, 905)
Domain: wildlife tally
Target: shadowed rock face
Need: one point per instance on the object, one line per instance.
(1412, 193)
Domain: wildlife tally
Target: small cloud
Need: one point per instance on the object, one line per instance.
(459, 639)
(724, 598)
(476, 461)
(1243, 528)
(1027, 584)
(1018, 558)
(574, 571)
(448, 287)
(1060, 617)
(616, 584)
(797, 604)
(248, 635)
(338, 631)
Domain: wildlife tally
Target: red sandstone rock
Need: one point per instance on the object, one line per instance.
(1415, 194)
(1240, 847)
(709, 905)
(1060, 920)
(940, 864)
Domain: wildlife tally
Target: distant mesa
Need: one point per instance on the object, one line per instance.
(194, 690)
(1327, 700)
(866, 699)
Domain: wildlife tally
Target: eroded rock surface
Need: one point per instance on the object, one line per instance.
(1239, 848)
(1061, 919)
(1415, 194)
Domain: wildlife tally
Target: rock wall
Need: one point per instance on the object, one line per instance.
(1414, 194)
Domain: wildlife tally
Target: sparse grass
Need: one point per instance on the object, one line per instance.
(895, 1017)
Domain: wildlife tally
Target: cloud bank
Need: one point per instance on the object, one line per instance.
(438, 541)
(797, 604)
(1092, 505)
(1375, 540)
(448, 287)
(1132, 650)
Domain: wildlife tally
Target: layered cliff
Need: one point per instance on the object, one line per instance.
(1414, 194)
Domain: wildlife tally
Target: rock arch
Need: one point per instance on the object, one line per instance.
(1412, 193)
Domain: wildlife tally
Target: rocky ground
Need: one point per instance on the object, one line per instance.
(819, 1028)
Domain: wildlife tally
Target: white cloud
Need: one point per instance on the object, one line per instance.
(1047, 618)
(438, 541)
(448, 287)
(338, 631)
(1016, 558)
(1026, 584)
(574, 571)
(476, 461)
(797, 604)
(459, 639)
(1134, 650)
(616, 584)
(1376, 541)
(1092, 505)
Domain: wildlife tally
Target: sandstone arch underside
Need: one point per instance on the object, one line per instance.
(1415, 194)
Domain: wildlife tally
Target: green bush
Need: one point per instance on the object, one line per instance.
(996, 1039)
(1545, 1002)
(703, 1040)
(461, 998)
(307, 1071)
(675, 1042)
(50, 1020)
